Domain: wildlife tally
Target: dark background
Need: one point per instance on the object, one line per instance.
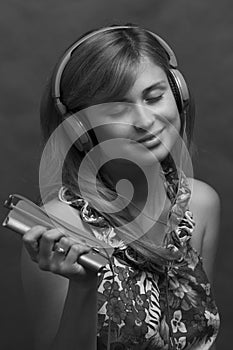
(33, 34)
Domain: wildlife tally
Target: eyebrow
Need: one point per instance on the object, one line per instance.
(159, 85)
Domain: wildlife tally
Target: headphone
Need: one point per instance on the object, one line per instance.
(84, 141)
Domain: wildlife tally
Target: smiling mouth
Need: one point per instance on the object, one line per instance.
(151, 138)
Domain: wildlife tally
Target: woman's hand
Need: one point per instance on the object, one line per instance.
(56, 252)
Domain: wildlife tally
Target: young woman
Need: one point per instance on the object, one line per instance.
(122, 87)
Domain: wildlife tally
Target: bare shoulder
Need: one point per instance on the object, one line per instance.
(203, 195)
(205, 206)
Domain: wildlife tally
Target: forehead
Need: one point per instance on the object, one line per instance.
(148, 74)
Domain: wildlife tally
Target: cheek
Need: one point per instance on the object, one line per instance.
(177, 122)
(174, 127)
(112, 140)
(172, 120)
(173, 116)
(111, 131)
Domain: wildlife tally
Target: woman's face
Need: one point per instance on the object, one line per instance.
(148, 109)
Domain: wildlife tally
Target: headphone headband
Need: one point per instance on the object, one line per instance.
(56, 94)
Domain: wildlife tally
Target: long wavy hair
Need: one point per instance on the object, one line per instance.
(104, 68)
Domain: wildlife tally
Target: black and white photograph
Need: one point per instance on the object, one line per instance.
(116, 126)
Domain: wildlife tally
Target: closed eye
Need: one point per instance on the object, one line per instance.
(152, 100)
(118, 108)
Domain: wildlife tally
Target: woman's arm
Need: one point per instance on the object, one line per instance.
(211, 229)
(63, 310)
(77, 329)
(211, 233)
(205, 206)
(62, 314)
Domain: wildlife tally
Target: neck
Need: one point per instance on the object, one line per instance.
(144, 188)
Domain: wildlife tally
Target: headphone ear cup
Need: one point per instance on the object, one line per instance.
(179, 89)
(77, 133)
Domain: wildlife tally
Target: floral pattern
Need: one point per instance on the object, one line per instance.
(176, 323)
(143, 307)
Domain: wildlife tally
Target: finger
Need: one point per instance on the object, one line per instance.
(33, 252)
(64, 244)
(31, 240)
(75, 251)
(47, 242)
(33, 235)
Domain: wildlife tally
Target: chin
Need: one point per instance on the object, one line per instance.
(148, 157)
(159, 154)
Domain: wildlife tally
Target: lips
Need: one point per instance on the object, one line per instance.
(150, 136)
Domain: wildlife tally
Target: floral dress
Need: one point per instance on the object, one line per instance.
(147, 306)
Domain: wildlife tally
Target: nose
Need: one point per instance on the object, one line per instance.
(144, 118)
